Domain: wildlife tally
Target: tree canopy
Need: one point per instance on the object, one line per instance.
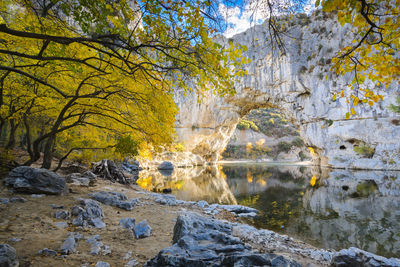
(83, 74)
(373, 57)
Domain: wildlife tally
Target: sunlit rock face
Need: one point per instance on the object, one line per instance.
(360, 208)
(301, 84)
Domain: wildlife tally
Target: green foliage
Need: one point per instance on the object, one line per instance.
(127, 146)
(302, 70)
(364, 150)
(245, 125)
(365, 189)
(395, 108)
(302, 156)
(284, 146)
(298, 142)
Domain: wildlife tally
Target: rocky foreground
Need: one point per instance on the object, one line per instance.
(98, 223)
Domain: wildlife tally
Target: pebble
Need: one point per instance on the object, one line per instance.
(47, 252)
(37, 195)
(61, 225)
(102, 264)
(132, 263)
(54, 206)
(18, 199)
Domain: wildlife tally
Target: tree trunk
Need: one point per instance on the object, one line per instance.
(48, 152)
(107, 169)
(11, 138)
(35, 152)
(3, 132)
(28, 137)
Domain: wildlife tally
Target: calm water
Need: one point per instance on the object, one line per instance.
(329, 209)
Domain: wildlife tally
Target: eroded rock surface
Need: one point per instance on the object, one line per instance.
(88, 213)
(200, 241)
(115, 199)
(30, 180)
(296, 84)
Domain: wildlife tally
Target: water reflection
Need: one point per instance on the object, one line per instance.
(202, 183)
(343, 208)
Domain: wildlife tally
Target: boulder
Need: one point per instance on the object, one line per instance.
(30, 180)
(142, 230)
(8, 256)
(201, 241)
(115, 199)
(89, 213)
(166, 165)
(357, 257)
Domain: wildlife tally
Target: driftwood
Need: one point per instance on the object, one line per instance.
(107, 169)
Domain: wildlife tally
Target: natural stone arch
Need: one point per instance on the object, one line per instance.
(296, 84)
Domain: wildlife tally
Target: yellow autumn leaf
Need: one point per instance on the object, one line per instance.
(347, 115)
(334, 97)
(371, 103)
(313, 180)
(353, 112)
(356, 101)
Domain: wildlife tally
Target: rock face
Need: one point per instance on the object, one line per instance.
(36, 181)
(199, 241)
(296, 84)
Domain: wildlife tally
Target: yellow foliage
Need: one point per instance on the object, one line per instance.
(249, 177)
(89, 93)
(313, 180)
(373, 59)
(145, 182)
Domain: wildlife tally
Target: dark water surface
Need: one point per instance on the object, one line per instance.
(327, 208)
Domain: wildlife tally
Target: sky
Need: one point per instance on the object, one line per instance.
(240, 15)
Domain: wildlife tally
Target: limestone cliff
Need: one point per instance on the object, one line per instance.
(301, 84)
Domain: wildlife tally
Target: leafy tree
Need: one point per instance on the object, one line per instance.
(80, 74)
(373, 56)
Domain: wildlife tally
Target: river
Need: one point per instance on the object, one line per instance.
(331, 209)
